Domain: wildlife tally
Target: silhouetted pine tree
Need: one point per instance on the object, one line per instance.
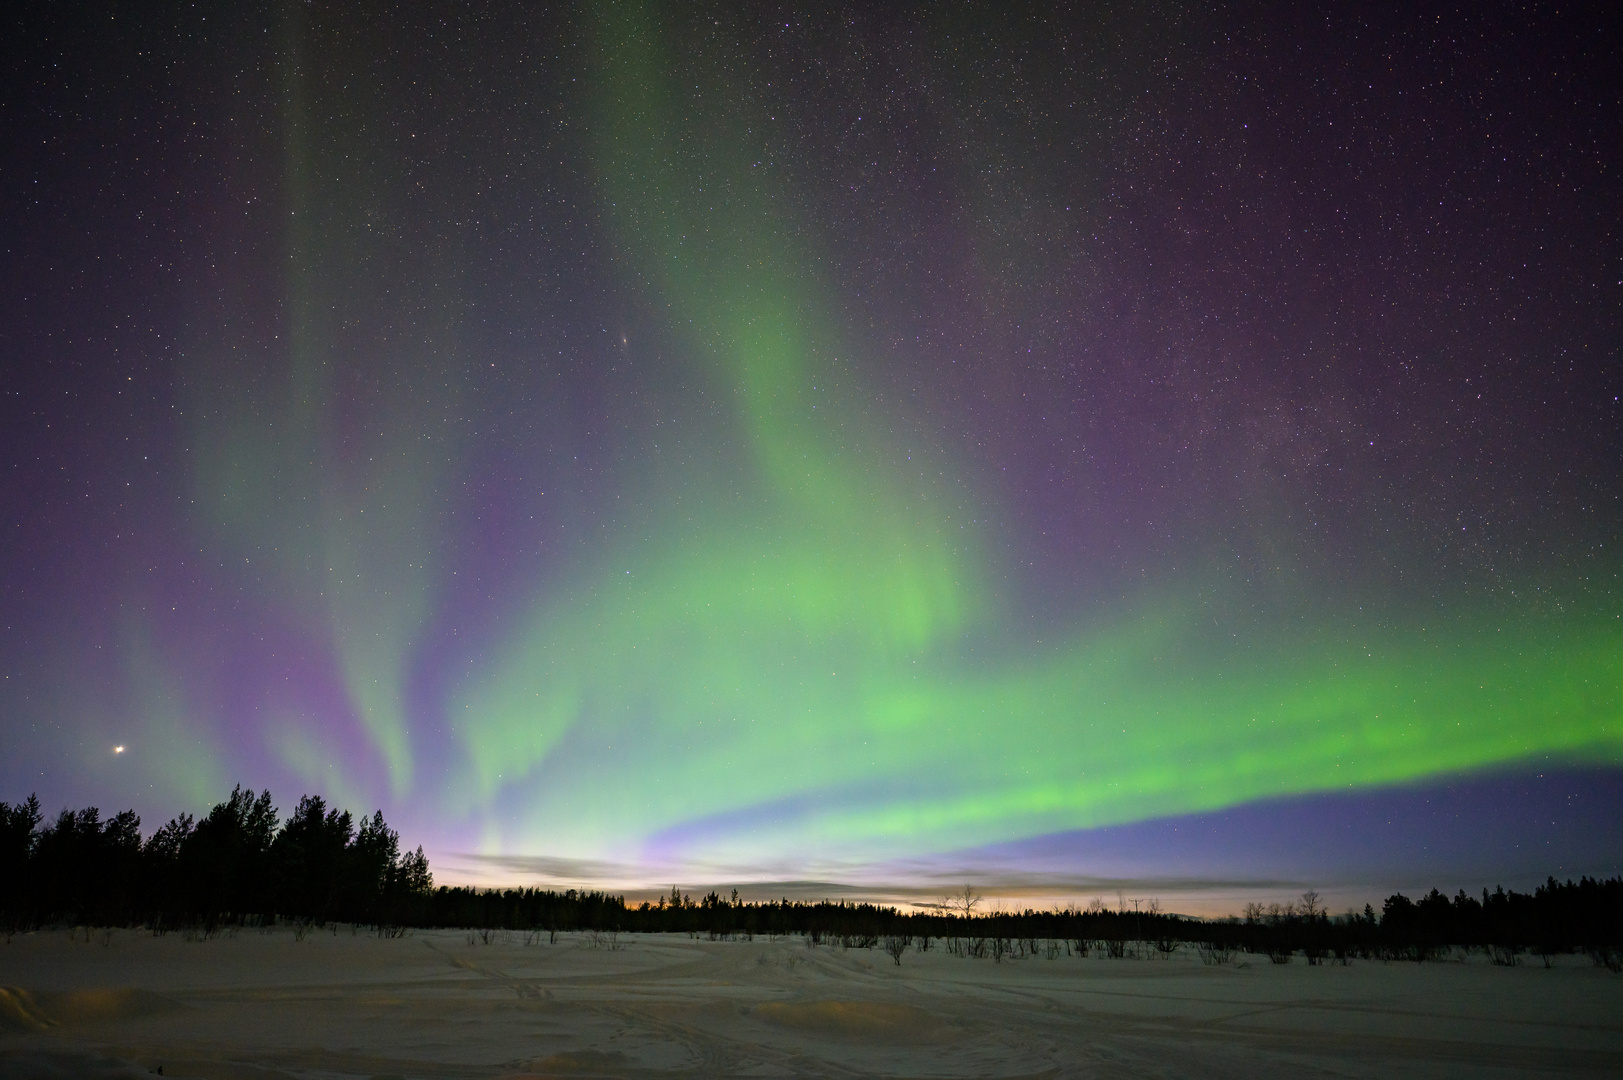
(17, 836)
(87, 870)
(224, 862)
(309, 856)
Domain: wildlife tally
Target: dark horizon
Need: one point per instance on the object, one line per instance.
(1219, 855)
(243, 867)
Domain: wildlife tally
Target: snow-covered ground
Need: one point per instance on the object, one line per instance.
(259, 1006)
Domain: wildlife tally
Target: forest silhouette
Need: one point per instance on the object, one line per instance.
(242, 866)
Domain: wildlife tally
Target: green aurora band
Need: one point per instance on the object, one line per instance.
(808, 655)
(813, 668)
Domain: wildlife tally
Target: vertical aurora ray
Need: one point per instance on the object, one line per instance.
(319, 457)
(748, 641)
(817, 672)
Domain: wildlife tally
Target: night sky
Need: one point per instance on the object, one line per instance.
(1151, 445)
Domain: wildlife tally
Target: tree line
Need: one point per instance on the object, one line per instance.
(241, 865)
(1556, 918)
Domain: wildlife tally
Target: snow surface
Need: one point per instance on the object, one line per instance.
(257, 1005)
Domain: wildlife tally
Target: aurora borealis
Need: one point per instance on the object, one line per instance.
(717, 444)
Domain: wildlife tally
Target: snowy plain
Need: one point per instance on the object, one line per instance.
(267, 1005)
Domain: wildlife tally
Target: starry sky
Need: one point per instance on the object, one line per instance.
(1060, 447)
